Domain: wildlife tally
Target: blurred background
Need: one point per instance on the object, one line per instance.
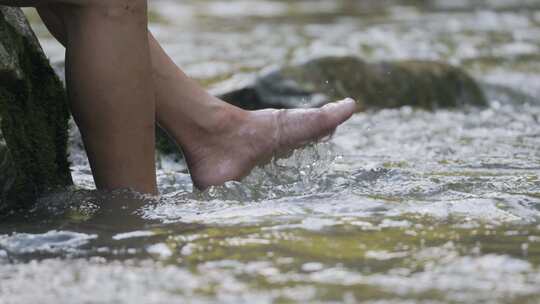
(496, 40)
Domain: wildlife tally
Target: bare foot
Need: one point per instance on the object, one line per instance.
(246, 139)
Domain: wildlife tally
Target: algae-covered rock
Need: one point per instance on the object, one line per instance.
(7, 175)
(423, 84)
(33, 115)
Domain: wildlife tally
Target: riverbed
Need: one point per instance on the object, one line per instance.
(399, 206)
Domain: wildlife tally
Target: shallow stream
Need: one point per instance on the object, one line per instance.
(400, 206)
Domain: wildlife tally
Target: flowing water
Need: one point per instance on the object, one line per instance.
(400, 206)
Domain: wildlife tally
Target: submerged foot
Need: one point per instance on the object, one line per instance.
(252, 138)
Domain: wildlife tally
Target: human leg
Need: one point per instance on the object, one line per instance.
(222, 142)
(108, 73)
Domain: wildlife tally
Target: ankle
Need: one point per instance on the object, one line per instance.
(218, 119)
(222, 118)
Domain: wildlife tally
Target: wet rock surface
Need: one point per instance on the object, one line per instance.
(423, 84)
(33, 115)
(7, 175)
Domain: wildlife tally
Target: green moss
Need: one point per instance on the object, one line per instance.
(34, 116)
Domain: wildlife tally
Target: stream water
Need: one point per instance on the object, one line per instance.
(400, 206)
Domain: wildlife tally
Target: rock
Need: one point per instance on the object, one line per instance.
(33, 116)
(7, 176)
(424, 84)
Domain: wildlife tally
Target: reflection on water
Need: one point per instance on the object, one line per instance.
(400, 206)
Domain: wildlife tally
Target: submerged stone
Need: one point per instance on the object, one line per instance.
(33, 114)
(424, 84)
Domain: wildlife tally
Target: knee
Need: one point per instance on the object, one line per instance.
(118, 8)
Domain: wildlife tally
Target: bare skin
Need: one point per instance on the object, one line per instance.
(111, 93)
(232, 152)
(221, 142)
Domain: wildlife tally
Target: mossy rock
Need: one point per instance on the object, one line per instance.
(423, 84)
(33, 114)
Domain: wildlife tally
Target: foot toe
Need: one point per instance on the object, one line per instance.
(340, 111)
